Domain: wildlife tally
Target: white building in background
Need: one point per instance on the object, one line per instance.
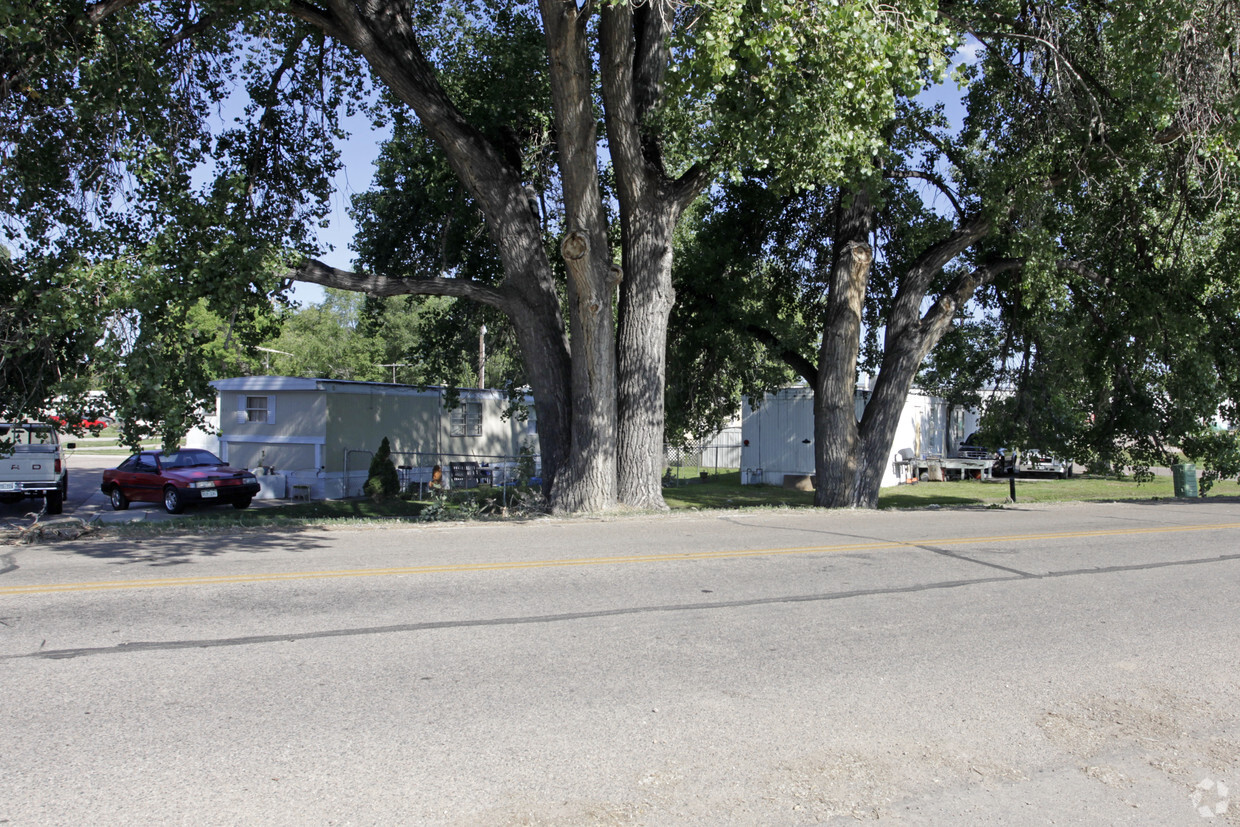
(778, 435)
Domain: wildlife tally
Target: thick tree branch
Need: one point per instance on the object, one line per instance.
(321, 19)
(935, 258)
(803, 367)
(616, 48)
(906, 318)
(936, 320)
(965, 285)
(685, 189)
(651, 53)
(190, 30)
(316, 272)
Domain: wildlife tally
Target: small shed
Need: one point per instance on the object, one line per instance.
(321, 433)
(778, 434)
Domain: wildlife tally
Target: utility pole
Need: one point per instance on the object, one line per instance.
(482, 357)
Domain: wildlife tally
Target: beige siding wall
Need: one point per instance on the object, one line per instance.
(500, 437)
(282, 457)
(415, 424)
(360, 421)
(296, 413)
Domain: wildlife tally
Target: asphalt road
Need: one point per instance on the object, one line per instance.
(1068, 665)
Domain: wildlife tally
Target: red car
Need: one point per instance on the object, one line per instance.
(176, 479)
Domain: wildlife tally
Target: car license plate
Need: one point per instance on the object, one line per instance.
(8, 486)
(208, 493)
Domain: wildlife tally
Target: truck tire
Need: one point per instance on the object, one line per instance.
(53, 502)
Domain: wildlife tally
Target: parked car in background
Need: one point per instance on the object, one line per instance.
(33, 464)
(177, 479)
(1037, 461)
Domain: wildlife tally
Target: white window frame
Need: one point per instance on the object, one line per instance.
(248, 414)
(465, 420)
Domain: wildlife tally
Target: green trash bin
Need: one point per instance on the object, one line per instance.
(1184, 478)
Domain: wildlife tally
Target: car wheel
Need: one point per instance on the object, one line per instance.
(244, 502)
(53, 501)
(118, 499)
(172, 500)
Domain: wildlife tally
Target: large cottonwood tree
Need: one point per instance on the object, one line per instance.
(687, 91)
(1081, 120)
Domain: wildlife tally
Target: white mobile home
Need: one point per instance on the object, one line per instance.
(778, 435)
(322, 432)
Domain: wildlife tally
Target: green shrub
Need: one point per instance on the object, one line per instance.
(383, 481)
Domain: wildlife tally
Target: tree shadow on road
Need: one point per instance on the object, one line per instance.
(189, 548)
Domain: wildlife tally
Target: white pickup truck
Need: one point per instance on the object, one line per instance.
(32, 465)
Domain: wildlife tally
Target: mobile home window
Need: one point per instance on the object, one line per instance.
(256, 409)
(466, 420)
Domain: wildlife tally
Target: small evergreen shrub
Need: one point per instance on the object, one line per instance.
(383, 481)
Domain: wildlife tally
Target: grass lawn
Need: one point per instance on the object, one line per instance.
(106, 443)
(293, 515)
(721, 491)
(725, 491)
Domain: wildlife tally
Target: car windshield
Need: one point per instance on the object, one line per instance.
(189, 458)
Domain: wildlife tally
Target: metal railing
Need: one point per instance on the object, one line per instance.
(427, 471)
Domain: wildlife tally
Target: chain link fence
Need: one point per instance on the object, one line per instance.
(421, 473)
(706, 459)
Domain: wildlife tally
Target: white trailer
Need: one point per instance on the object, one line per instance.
(778, 436)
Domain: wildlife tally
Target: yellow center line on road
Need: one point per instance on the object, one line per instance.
(511, 565)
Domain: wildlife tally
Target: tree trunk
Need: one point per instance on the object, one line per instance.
(910, 337)
(851, 458)
(588, 481)
(544, 349)
(646, 303)
(882, 418)
(836, 435)
(634, 51)
(575, 394)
